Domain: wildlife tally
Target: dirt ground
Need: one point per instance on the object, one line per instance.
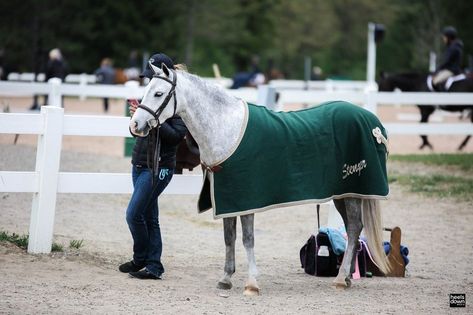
(438, 233)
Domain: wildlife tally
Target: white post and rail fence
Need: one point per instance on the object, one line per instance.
(51, 124)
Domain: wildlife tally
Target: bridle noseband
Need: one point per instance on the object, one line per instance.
(171, 93)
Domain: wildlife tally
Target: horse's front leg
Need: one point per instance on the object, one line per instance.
(351, 214)
(247, 225)
(229, 231)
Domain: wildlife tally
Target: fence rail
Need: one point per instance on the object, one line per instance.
(46, 181)
(51, 125)
(327, 85)
(55, 88)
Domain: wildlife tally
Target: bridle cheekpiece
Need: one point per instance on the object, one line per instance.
(171, 93)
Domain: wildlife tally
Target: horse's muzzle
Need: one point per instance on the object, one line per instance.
(139, 130)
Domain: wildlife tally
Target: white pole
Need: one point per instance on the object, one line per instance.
(371, 62)
(83, 85)
(432, 61)
(47, 167)
(329, 85)
(54, 98)
(216, 70)
(266, 96)
(334, 220)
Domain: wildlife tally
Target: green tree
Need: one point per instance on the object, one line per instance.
(229, 32)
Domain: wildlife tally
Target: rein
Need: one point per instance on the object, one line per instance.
(155, 141)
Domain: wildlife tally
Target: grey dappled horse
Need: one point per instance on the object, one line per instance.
(215, 120)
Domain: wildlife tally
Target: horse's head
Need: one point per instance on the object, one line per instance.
(158, 103)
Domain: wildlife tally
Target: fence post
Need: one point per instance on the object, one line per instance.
(47, 166)
(329, 85)
(54, 98)
(371, 58)
(83, 85)
(266, 96)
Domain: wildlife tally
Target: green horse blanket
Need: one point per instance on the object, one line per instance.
(333, 150)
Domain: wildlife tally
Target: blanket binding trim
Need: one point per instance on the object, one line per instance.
(285, 204)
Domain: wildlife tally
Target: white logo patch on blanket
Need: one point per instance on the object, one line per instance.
(353, 169)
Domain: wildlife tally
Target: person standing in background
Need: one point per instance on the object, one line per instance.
(105, 75)
(55, 68)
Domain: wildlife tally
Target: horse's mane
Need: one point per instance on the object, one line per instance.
(211, 89)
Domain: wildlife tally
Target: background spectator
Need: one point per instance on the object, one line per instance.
(105, 75)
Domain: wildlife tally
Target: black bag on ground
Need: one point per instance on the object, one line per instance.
(326, 262)
(317, 257)
(307, 255)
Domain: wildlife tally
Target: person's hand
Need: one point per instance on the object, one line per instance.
(132, 106)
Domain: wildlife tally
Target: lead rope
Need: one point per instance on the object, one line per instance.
(154, 144)
(156, 156)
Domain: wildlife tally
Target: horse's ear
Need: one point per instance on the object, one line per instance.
(165, 69)
(168, 73)
(155, 69)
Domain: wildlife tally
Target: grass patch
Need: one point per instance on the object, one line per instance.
(19, 240)
(57, 247)
(76, 244)
(22, 241)
(436, 185)
(463, 161)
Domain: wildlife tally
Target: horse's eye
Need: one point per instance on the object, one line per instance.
(158, 94)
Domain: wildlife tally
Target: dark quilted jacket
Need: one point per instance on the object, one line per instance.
(171, 133)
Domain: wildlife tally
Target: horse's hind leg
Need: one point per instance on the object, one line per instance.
(425, 112)
(350, 210)
(247, 226)
(464, 142)
(229, 231)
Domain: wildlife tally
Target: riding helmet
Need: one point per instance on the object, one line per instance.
(450, 32)
(157, 60)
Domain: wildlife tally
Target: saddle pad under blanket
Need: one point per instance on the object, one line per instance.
(288, 158)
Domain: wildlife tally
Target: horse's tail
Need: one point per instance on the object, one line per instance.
(371, 217)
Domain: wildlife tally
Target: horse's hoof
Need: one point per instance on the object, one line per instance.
(342, 283)
(251, 291)
(224, 285)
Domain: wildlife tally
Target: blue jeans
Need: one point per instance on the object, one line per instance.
(142, 216)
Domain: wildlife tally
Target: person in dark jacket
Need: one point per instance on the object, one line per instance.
(451, 62)
(55, 68)
(142, 214)
(105, 75)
